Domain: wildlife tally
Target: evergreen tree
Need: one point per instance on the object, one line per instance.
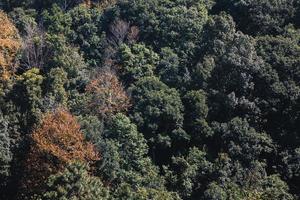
(76, 183)
(5, 153)
(158, 113)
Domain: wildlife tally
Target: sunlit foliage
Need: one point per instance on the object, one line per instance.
(9, 45)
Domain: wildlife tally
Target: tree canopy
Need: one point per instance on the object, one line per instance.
(155, 99)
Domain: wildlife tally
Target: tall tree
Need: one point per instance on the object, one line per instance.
(158, 113)
(56, 142)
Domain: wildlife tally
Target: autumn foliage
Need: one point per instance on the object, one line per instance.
(107, 94)
(9, 45)
(57, 142)
(60, 136)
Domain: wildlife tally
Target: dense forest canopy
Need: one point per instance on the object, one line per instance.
(149, 99)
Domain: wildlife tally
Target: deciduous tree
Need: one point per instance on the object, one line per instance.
(56, 142)
(9, 46)
(107, 94)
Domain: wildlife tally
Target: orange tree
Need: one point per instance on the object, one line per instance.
(57, 142)
(9, 45)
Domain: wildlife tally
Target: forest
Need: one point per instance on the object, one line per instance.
(149, 99)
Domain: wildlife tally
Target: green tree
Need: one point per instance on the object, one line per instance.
(5, 152)
(126, 192)
(57, 80)
(289, 168)
(27, 94)
(88, 34)
(124, 158)
(260, 17)
(171, 70)
(272, 187)
(196, 112)
(76, 183)
(189, 174)
(22, 18)
(68, 58)
(158, 112)
(219, 32)
(177, 24)
(11, 146)
(92, 128)
(280, 78)
(230, 68)
(137, 62)
(39, 4)
(56, 21)
(242, 142)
